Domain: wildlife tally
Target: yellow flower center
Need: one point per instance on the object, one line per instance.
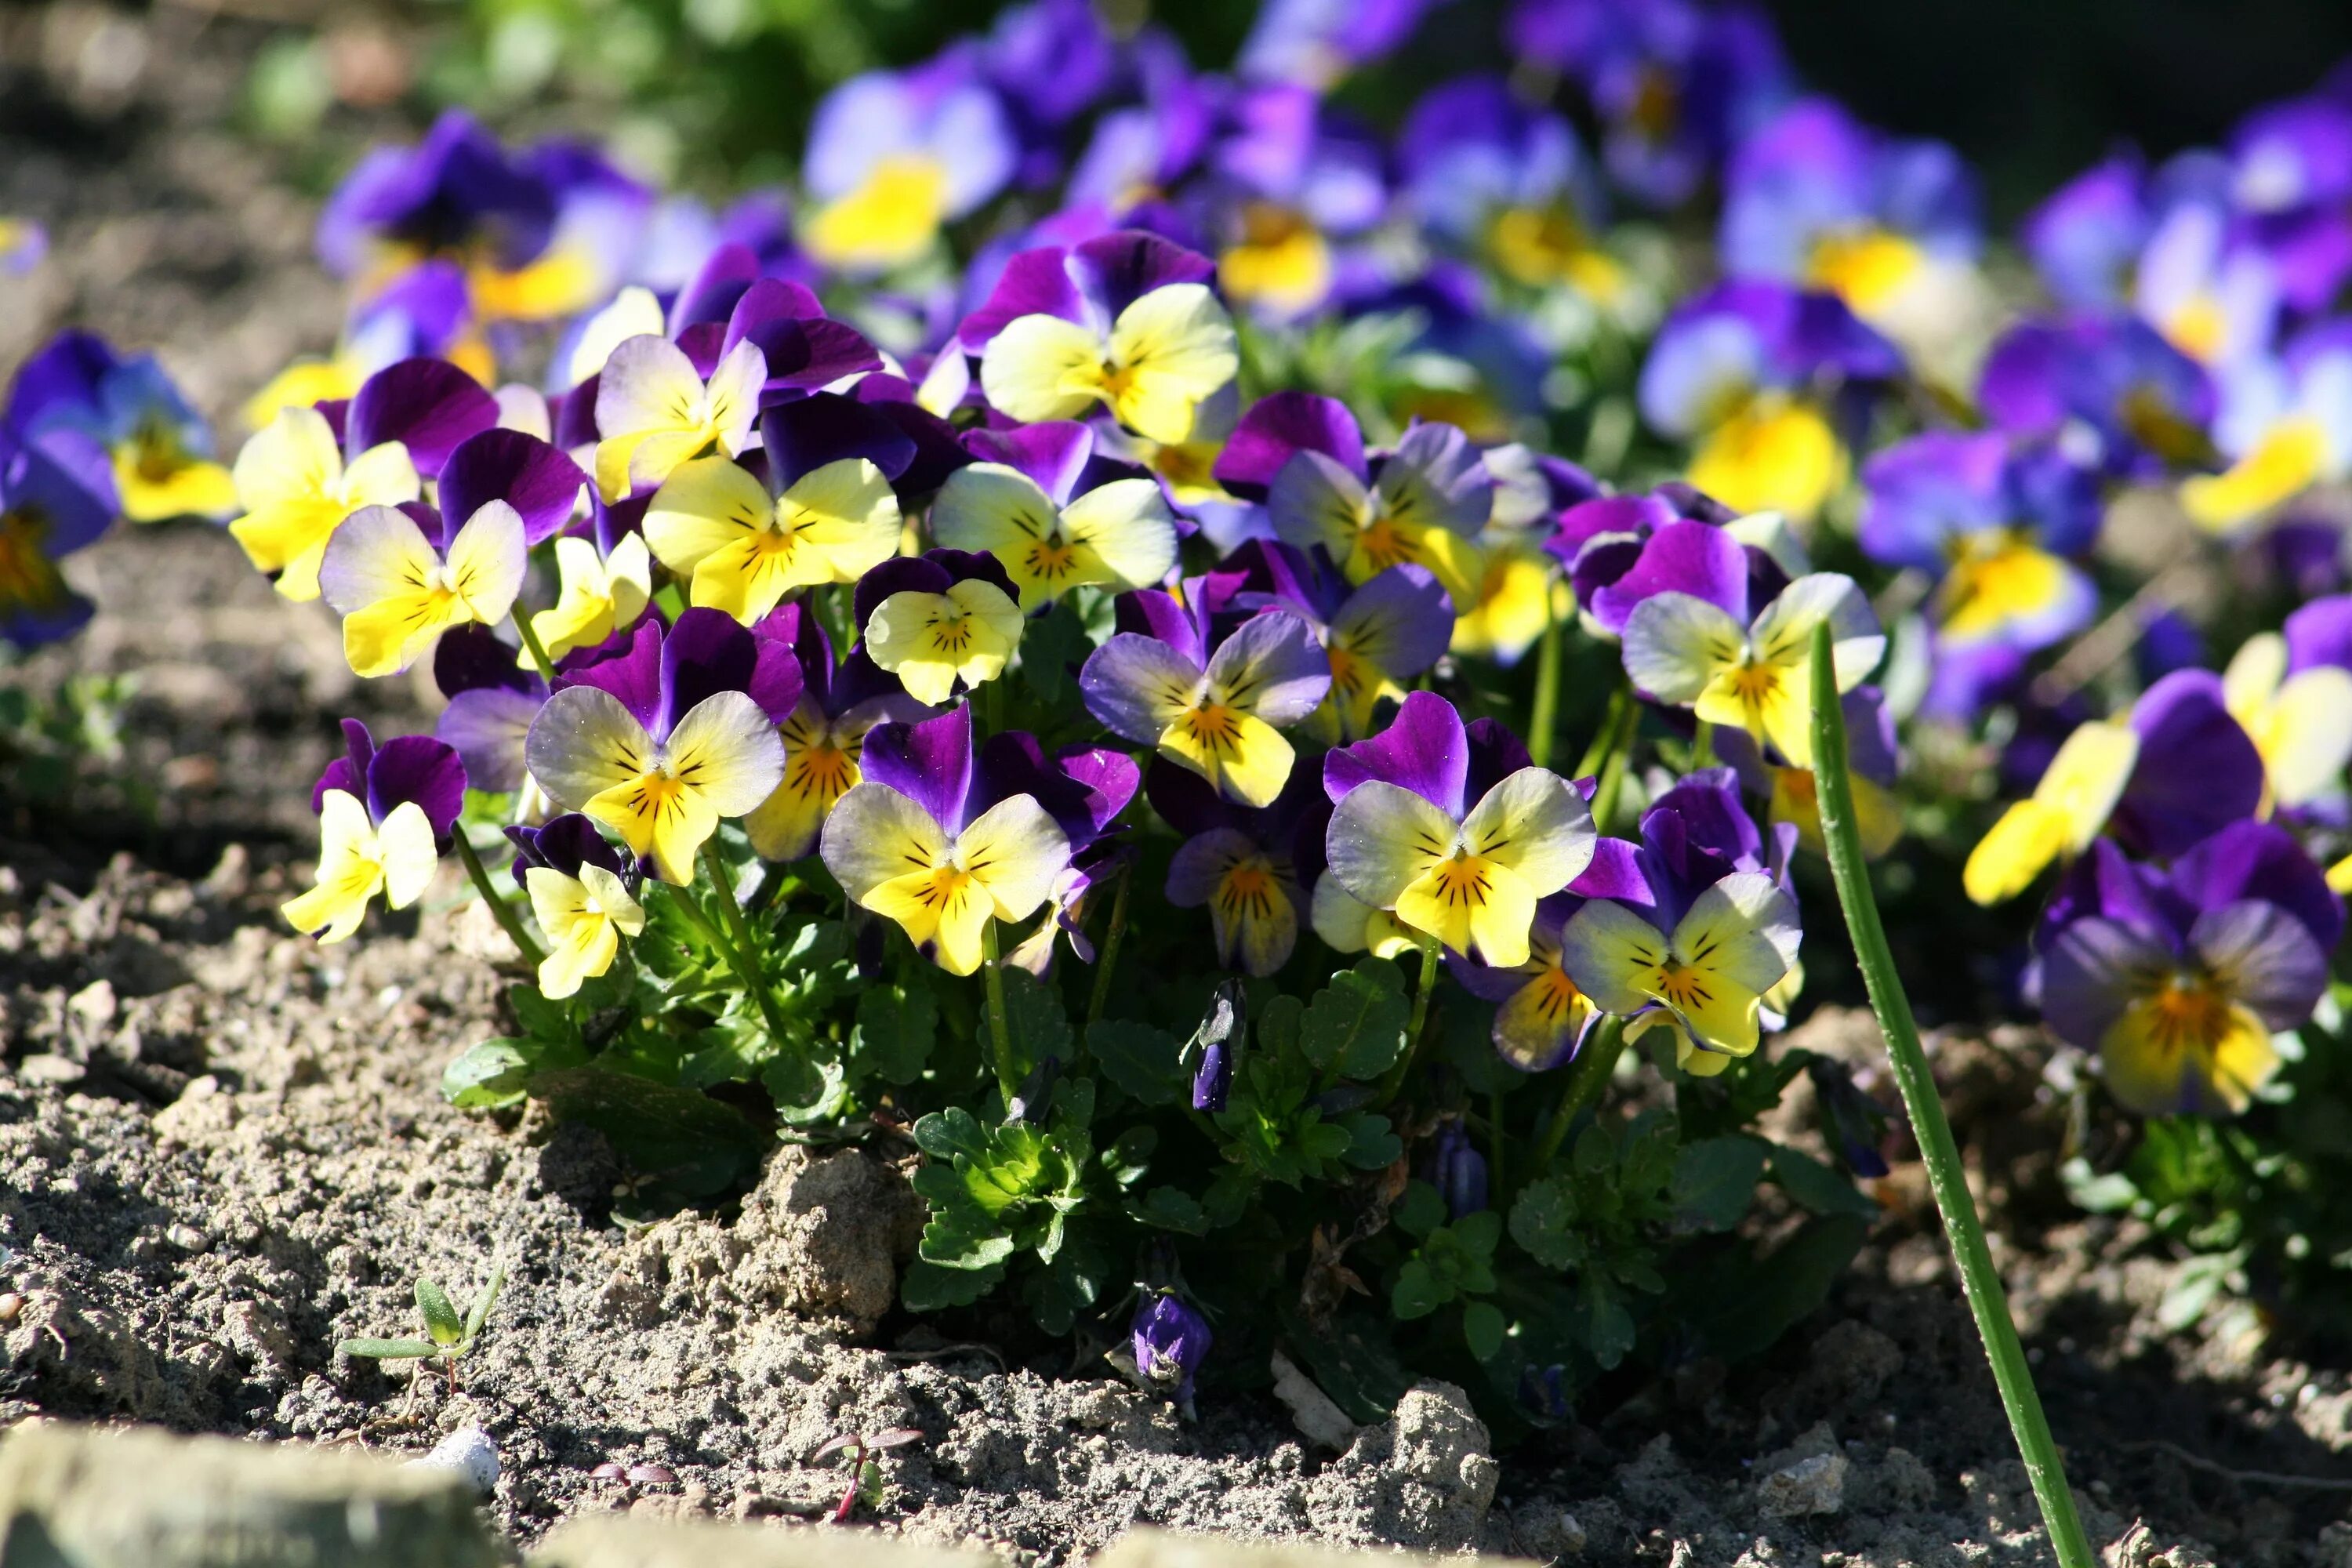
(827, 771)
(27, 576)
(1214, 728)
(1248, 890)
(1383, 544)
(1051, 557)
(2188, 1014)
(1681, 986)
(1552, 994)
(1463, 881)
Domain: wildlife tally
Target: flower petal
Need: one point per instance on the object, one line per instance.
(584, 742)
(1676, 643)
(876, 833)
(1535, 824)
(1382, 838)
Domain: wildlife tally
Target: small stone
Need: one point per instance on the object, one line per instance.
(467, 1452)
(652, 1475)
(1809, 1486)
(11, 1305)
(1548, 1530)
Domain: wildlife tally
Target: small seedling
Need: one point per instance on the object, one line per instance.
(448, 1337)
(864, 1475)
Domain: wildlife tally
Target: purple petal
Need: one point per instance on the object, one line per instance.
(930, 764)
(530, 476)
(1495, 754)
(708, 652)
(1053, 455)
(634, 678)
(725, 278)
(803, 435)
(2265, 956)
(899, 575)
(1156, 612)
(1615, 873)
(1110, 779)
(427, 405)
(349, 771)
(2259, 861)
(470, 658)
(420, 769)
(1114, 270)
(1278, 427)
(2321, 632)
(1424, 749)
(1275, 666)
(565, 843)
(1713, 815)
(2197, 773)
(1035, 283)
(1692, 558)
(1187, 802)
(486, 727)
(938, 451)
(2093, 970)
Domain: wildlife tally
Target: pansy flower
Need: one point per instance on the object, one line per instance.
(1250, 867)
(2085, 238)
(1406, 837)
(1695, 646)
(1994, 527)
(1744, 370)
(1377, 636)
(923, 842)
(2298, 713)
(2178, 771)
(1622, 549)
(823, 734)
(1708, 936)
(2204, 284)
(1541, 1016)
(1417, 505)
(2109, 382)
(938, 618)
(655, 411)
(1216, 710)
(492, 698)
(824, 513)
(384, 813)
(48, 510)
(598, 594)
(1794, 793)
(1124, 321)
(581, 894)
(894, 154)
(2177, 979)
(1520, 590)
(2286, 424)
(1084, 789)
(1889, 226)
(1295, 181)
(300, 477)
(1055, 514)
(401, 576)
(662, 742)
(22, 243)
(1489, 172)
(162, 451)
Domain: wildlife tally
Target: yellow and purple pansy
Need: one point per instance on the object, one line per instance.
(1216, 706)
(661, 742)
(937, 619)
(1250, 867)
(815, 507)
(892, 155)
(1406, 836)
(2291, 690)
(383, 814)
(582, 894)
(159, 449)
(927, 841)
(1125, 321)
(822, 735)
(1377, 636)
(2285, 426)
(1056, 514)
(2177, 978)
(52, 503)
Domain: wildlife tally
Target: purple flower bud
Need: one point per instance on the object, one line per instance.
(1857, 1123)
(1215, 1076)
(1458, 1171)
(1171, 1341)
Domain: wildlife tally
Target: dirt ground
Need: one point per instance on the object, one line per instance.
(223, 1149)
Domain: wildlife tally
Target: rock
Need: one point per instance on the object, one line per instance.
(1813, 1485)
(1317, 1418)
(634, 1540)
(146, 1499)
(1426, 1477)
(467, 1452)
(825, 1235)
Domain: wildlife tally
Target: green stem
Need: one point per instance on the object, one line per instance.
(1588, 1075)
(1000, 1033)
(1612, 770)
(1946, 1178)
(1596, 755)
(1109, 959)
(1545, 720)
(537, 650)
(1432, 956)
(508, 920)
(737, 945)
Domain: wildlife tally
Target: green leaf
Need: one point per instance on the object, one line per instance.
(1544, 1221)
(1127, 1157)
(1607, 1326)
(1715, 1181)
(1482, 1329)
(1068, 1286)
(1356, 1024)
(1035, 1019)
(1816, 1187)
(1417, 1292)
(806, 1092)
(895, 1028)
(1421, 1210)
(696, 1145)
(441, 1319)
(1350, 1358)
(491, 1074)
(1372, 1146)
(963, 1236)
(927, 1288)
(1477, 1232)
(1050, 644)
(1170, 1208)
(480, 1313)
(1739, 1304)
(1144, 1061)
(541, 1018)
(390, 1349)
(1279, 1024)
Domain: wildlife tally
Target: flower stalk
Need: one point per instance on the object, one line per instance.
(736, 942)
(1588, 1075)
(1109, 961)
(508, 921)
(1980, 1281)
(1000, 1032)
